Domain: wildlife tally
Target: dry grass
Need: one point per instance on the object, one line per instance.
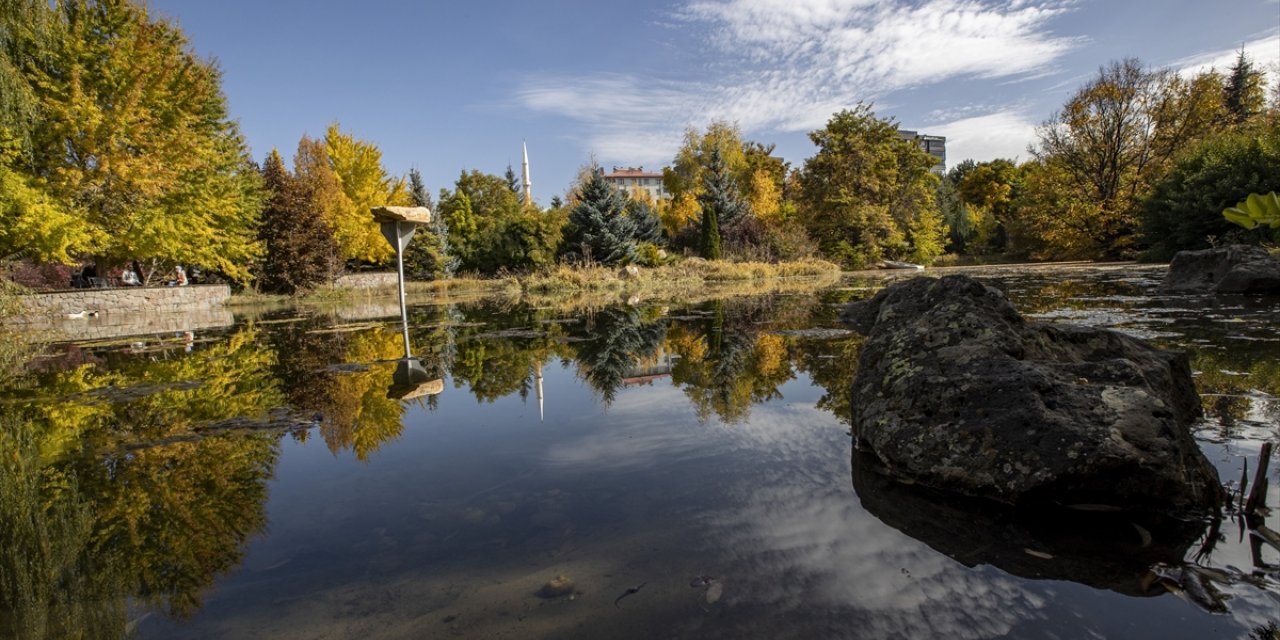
(591, 285)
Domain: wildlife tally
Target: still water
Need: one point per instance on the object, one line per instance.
(652, 470)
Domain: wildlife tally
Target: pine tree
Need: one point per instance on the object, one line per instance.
(721, 206)
(648, 226)
(513, 183)
(300, 248)
(600, 230)
(1243, 94)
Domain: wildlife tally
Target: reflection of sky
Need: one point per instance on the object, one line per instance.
(476, 503)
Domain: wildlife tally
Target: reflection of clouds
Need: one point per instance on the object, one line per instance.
(809, 543)
(645, 427)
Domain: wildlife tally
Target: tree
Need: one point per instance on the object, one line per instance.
(513, 182)
(709, 240)
(1184, 210)
(35, 224)
(599, 229)
(868, 194)
(428, 254)
(134, 133)
(720, 202)
(648, 227)
(358, 165)
(300, 248)
(1243, 95)
(1115, 137)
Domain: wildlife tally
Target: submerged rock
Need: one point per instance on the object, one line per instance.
(1233, 269)
(956, 391)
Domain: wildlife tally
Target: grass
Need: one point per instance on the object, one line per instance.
(686, 279)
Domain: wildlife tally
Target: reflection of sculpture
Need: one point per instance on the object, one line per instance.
(1102, 550)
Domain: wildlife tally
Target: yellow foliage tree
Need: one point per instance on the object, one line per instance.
(365, 183)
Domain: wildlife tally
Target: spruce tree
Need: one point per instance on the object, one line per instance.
(720, 192)
(599, 229)
(1242, 94)
(648, 226)
(513, 183)
(721, 206)
(300, 248)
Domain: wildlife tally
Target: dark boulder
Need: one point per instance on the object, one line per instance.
(1233, 269)
(956, 391)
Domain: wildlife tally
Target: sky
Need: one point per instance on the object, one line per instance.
(450, 86)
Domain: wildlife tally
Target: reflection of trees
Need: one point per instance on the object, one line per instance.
(497, 365)
(111, 491)
(1228, 376)
(725, 366)
(831, 364)
(618, 338)
(350, 402)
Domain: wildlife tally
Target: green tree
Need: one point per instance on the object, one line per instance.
(1184, 210)
(300, 248)
(1242, 95)
(648, 227)
(428, 254)
(724, 214)
(35, 224)
(868, 194)
(134, 132)
(27, 35)
(599, 228)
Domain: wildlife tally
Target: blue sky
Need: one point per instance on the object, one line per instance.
(447, 86)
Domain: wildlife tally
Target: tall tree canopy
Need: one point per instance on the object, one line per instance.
(366, 184)
(1111, 140)
(300, 248)
(868, 194)
(134, 137)
(599, 228)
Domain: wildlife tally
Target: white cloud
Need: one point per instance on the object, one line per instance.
(1003, 134)
(1263, 52)
(787, 65)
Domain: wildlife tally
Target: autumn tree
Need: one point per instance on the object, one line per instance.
(724, 214)
(868, 194)
(366, 184)
(1111, 141)
(300, 248)
(599, 229)
(134, 137)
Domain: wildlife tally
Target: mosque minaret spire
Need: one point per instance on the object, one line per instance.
(524, 172)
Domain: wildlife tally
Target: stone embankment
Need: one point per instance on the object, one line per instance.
(94, 314)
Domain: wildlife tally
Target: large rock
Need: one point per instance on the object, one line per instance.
(1233, 269)
(956, 391)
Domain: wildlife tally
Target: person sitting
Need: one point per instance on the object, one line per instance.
(130, 278)
(181, 281)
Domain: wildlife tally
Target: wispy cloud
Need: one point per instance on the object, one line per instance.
(1003, 134)
(1263, 50)
(787, 65)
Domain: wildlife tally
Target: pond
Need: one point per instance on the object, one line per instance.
(645, 470)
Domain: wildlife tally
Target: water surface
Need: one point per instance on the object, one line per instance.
(258, 481)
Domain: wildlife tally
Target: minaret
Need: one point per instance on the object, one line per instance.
(537, 376)
(524, 171)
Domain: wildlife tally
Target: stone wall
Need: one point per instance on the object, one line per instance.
(375, 280)
(118, 325)
(39, 307)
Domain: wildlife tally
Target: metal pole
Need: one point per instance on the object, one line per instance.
(404, 310)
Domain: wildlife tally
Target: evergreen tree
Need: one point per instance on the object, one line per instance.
(557, 202)
(427, 255)
(710, 240)
(1243, 94)
(513, 183)
(722, 209)
(599, 229)
(648, 226)
(300, 248)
